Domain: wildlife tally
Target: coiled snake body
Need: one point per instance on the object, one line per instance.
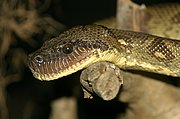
(81, 46)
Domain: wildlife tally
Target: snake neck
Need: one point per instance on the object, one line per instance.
(140, 51)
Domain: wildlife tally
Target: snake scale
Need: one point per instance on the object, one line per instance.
(81, 46)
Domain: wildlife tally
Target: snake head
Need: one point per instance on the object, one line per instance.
(71, 51)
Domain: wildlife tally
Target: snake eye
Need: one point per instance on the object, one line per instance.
(38, 59)
(67, 48)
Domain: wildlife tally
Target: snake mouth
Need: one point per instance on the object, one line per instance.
(60, 67)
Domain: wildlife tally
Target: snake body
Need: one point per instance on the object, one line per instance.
(82, 46)
(164, 20)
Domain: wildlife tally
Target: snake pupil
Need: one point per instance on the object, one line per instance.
(67, 49)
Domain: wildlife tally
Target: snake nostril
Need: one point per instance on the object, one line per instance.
(38, 59)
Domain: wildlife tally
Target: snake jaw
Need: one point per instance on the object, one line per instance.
(39, 72)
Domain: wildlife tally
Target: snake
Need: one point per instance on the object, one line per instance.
(82, 45)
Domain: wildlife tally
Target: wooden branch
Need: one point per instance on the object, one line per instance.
(102, 78)
(131, 16)
(147, 98)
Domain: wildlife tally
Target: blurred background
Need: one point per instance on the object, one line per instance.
(24, 26)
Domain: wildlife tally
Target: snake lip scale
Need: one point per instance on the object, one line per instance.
(81, 46)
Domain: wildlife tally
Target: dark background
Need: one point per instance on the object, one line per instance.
(31, 97)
